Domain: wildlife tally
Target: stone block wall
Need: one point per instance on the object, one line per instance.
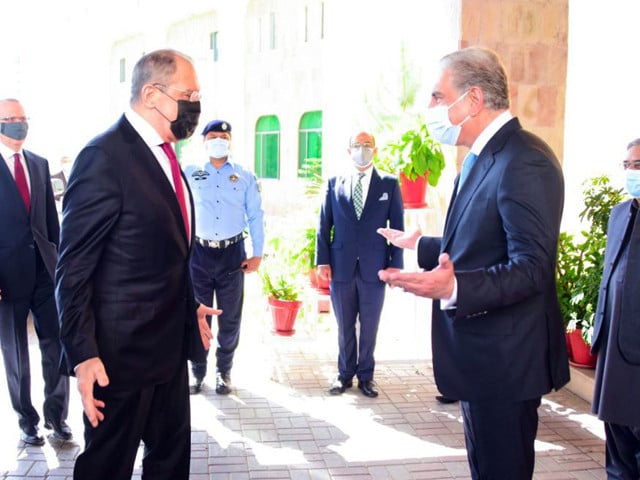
(531, 38)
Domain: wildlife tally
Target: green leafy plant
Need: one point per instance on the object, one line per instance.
(580, 259)
(415, 154)
(280, 271)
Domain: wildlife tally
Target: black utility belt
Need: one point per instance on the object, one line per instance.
(219, 243)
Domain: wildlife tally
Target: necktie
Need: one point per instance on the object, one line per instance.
(467, 163)
(177, 182)
(357, 196)
(21, 181)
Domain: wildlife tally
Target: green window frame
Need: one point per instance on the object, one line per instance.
(310, 145)
(267, 153)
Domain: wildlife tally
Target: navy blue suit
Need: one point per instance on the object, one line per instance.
(356, 253)
(504, 342)
(616, 340)
(28, 254)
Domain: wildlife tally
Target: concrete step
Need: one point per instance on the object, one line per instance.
(582, 381)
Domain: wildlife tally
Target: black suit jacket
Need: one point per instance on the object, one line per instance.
(505, 339)
(122, 283)
(21, 233)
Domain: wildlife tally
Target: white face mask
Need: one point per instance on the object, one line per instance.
(440, 126)
(362, 156)
(217, 147)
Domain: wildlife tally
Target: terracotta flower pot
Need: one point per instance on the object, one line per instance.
(413, 191)
(284, 313)
(580, 351)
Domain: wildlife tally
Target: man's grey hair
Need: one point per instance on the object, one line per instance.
(479, 67)
(634, 143)
(158, 66)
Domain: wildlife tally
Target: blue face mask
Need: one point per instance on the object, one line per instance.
(633, 182)
(440, 126)
(15, 130)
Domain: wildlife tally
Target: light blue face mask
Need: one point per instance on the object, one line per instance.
(633, 182)
(440, 126)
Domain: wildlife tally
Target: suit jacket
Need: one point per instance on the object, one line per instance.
(22, 233)
(355, 239)
(616, 336)
(505, 338)
(122, 283)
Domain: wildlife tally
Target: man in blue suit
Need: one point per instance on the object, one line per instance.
(29, 234)
(497, 333)
(616, 337)
(350, 254)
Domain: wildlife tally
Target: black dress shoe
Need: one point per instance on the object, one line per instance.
(339, 386)
(223, 384)
(61, 430)
(196, 387)
(445, 400)
(29, 435)
(369, 388)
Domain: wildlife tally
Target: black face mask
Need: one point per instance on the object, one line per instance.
(187, 120)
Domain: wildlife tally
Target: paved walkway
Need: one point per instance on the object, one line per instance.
(281, 424)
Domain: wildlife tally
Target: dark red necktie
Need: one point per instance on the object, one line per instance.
(21, 181)
(177, 182)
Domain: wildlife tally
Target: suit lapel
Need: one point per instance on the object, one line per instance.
(617, 231)
(344, 196)
(10, 184)
(374, 188)
(149, 163)
(36, 182)
(477, 175)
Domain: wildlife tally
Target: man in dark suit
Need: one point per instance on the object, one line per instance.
(122, 283)
(498, 338)
(349, 253)
(616, 337)
(29, 235)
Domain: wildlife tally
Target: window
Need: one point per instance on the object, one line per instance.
(267, 161)
(123, 71)
(310, 145)
(213, 40)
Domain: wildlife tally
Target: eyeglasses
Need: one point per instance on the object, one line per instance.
(192, 95)
(362, 145)
(632, 164)
(14, 119)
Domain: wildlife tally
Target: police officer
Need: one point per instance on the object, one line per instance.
(227, 200)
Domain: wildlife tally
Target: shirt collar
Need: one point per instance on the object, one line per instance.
(7, 153)
(144, 128)
(489, 131)
(367, 172)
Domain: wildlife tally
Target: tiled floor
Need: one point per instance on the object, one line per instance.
(281, 424)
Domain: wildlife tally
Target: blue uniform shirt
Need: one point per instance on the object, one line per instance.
(227, 200)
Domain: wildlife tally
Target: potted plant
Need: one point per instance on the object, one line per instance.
(579, 266)
(306, 240)
(417, 159)
(280, 274)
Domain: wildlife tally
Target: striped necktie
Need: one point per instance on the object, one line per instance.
(357, 196)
